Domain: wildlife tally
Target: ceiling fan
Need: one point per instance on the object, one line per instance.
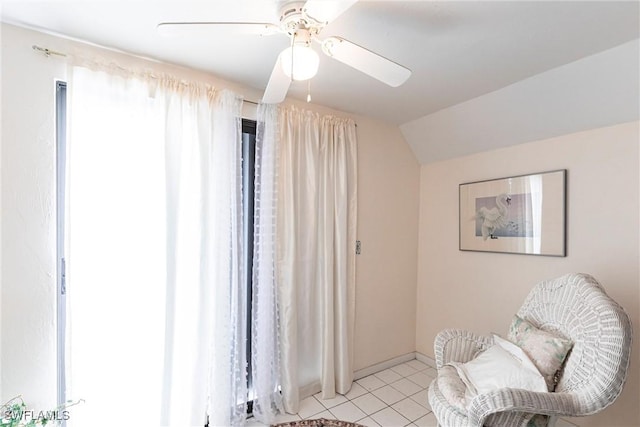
(303, 22)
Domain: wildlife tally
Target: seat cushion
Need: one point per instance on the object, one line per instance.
(450, 416)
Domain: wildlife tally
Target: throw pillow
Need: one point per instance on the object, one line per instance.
(496, 368)
(546, 350)
(516, 352)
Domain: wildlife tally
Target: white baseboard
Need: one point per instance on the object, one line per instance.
(364, 372)
(309, 390)
(314, 388)
(426, 360)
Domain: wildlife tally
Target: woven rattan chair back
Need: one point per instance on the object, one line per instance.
(576, 307)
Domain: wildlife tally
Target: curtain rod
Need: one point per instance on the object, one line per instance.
(48, 52)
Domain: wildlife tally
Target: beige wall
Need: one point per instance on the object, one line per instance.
(388, 218)
(481, 291)
(388, 180)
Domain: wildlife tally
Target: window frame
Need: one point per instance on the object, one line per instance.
(61, 299)
(249, 128)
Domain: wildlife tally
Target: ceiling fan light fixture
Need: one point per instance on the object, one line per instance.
(300, 59)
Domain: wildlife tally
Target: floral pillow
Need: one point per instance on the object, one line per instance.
(546, 350)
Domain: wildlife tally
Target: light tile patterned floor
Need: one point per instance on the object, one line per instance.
(394, 397)
(391, 398)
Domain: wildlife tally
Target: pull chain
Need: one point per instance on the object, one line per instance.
(293, 43)
(309, 90)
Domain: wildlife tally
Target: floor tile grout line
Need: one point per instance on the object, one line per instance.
(369, 415)
(393, 409)
(385, 383)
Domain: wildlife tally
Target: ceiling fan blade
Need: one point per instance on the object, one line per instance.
(366, 61)
(213, 29)
(325, 11)
(278, 85)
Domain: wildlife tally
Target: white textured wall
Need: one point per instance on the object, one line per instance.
(388, 218)
(28, 339)
(481, 291)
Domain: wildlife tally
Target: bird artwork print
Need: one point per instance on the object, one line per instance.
(494, 218)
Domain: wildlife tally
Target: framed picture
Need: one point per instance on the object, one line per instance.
(520, 215)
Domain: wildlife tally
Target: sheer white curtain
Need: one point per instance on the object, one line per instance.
(265, 353)
(316, 233)
(156, 295)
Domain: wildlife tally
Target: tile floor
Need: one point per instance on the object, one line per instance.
(394, 397)
(391, 398)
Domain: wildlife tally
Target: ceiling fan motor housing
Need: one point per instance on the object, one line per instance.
(293, 19)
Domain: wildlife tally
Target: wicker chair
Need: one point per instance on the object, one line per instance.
(574, 306)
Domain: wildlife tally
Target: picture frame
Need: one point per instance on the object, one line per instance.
(523, 214)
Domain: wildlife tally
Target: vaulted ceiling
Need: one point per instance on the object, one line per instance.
(456, 50)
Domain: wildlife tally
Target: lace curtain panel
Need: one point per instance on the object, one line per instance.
(316, 234)
(156, 302)
(265, 350)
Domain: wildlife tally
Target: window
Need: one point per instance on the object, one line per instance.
(119, 297)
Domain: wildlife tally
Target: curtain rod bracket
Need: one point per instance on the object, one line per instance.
(47, 52)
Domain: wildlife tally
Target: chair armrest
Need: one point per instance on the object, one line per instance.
(517, 400)
(456, 345)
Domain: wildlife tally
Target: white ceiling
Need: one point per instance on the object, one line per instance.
(457, 50)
